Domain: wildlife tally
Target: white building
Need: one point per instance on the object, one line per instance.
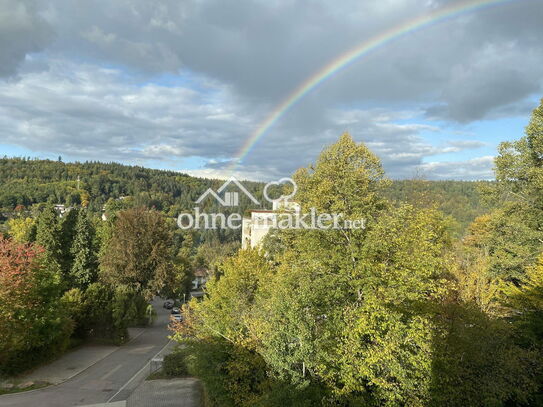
(257, 226)
(62, 210)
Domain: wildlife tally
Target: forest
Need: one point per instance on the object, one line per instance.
(26, 183)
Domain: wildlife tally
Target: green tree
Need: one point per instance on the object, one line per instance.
(73, 302)
(365, 329)
(84, 268)
(230, 298)
(525, 302)
(48, 236)
(67, 235)
(125, 311)
(329, 306)
(180, 279)
(139, 252)
(347, 178)
(519, 188)
(22, 230)
(98, 311)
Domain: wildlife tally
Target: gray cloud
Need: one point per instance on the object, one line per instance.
(22, 31)
(86, 111)
(265, 49)
(150, 80)
(399, 146)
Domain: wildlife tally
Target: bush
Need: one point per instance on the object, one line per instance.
(235, 377)
(174, 364)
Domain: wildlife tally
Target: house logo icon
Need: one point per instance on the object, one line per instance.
(230, 198)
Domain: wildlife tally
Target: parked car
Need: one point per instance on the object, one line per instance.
(176, 311)
(168, 304)
(174, 319)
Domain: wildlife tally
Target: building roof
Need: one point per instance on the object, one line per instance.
(201, 272)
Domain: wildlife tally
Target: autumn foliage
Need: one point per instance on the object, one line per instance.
(33, 323)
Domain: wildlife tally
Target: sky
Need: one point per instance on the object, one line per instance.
(182, 85)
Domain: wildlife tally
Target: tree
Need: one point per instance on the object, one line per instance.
(519, 187)
(210, 254)
(127, 308)
(98, 311)
(364, 330)
(48, 236)
(22, 230)
(231, 296)
(67, 235)
(347, 178)
(34, 324)
(329, 306)
(180, 279)
(525, 302)
(84, 270)
(73, 302)
(139, 252)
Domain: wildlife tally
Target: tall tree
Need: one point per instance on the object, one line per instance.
(67, 235)
(84, 270)
(183, 270)
(347, 178)
(525, 302)
(518, 231)
(139, 252)
(48, 235)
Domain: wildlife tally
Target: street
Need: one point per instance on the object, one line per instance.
(112, 379)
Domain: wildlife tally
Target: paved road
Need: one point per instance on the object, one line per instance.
(112, 379)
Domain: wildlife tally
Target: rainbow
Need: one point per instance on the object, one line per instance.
(353, 55)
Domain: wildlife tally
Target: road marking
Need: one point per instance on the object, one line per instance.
(104, 377)
(139, 371)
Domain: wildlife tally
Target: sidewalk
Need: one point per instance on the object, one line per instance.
(71, 364)
(184, 392)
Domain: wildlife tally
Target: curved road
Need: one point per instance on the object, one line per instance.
(112, 379)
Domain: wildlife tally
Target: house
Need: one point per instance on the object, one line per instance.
(201, 276)
(257, 225)
(62, 209)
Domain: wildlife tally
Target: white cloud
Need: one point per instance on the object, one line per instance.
(479, 168)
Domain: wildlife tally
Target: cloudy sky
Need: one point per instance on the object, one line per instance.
(182, 84)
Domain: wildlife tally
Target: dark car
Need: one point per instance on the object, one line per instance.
(168, 304)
